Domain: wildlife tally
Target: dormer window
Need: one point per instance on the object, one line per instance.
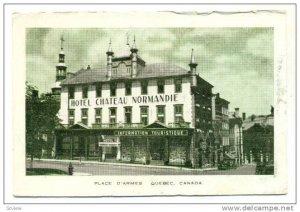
(122, 69)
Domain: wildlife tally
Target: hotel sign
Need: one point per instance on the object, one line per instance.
(151, 132)
(114, 101)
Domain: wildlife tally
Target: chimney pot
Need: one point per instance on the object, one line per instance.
(236, 113)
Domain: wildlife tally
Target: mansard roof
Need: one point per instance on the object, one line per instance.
(158, 70)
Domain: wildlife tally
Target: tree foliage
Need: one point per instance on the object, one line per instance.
(40, 119)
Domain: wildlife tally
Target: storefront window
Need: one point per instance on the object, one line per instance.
(84, 116)
(98, 115)
(160, 113)
(144, 115)
(128, 113)
(160, 86)
(178, 86)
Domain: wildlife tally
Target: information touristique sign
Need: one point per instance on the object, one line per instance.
(151, 132)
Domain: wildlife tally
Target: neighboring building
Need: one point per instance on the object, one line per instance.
(137, 112)
(236, 136)
(220, 119)
(258, 134)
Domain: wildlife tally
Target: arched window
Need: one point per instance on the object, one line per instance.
(122, 69)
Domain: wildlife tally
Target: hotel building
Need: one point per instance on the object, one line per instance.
(135, 112)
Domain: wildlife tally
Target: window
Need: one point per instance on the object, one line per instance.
(178, 113)
(144, 115)
(128, 113)
(160, 110)
(225, 126)
(128, 88)
(178, 87)
(160, 86)
(122, 69)
(84, 116)
(71, 92)
(85, 92)
(98, 115)
(144, 87)
(98, 90)
(71, 112)
(224, 110)
(113, 89)
(225, 141)
(112, 115)
(71, 116)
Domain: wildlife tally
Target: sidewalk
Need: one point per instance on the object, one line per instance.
(76, 162)
(81, 174)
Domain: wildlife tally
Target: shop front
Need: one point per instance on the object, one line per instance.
(156, 146)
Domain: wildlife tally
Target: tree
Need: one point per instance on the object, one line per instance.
(40, 119)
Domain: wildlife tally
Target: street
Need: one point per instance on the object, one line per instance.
(127, 169)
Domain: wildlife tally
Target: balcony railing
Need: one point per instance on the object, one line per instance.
(118, 125)
(136, 125)
(179, 125)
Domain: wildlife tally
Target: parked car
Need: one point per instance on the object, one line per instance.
(227, 164)
(265, 168)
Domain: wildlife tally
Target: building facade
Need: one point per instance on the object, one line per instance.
(236, 143)
(136, 112)
(258, 133)
(220, 118)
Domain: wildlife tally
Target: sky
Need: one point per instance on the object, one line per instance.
(238, 62)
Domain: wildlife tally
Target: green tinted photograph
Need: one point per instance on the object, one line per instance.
(149, 101)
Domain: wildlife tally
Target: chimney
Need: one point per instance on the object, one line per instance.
(236, 112)
(88, 67)
(244, 116)
(193, 66)
(218, 95)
